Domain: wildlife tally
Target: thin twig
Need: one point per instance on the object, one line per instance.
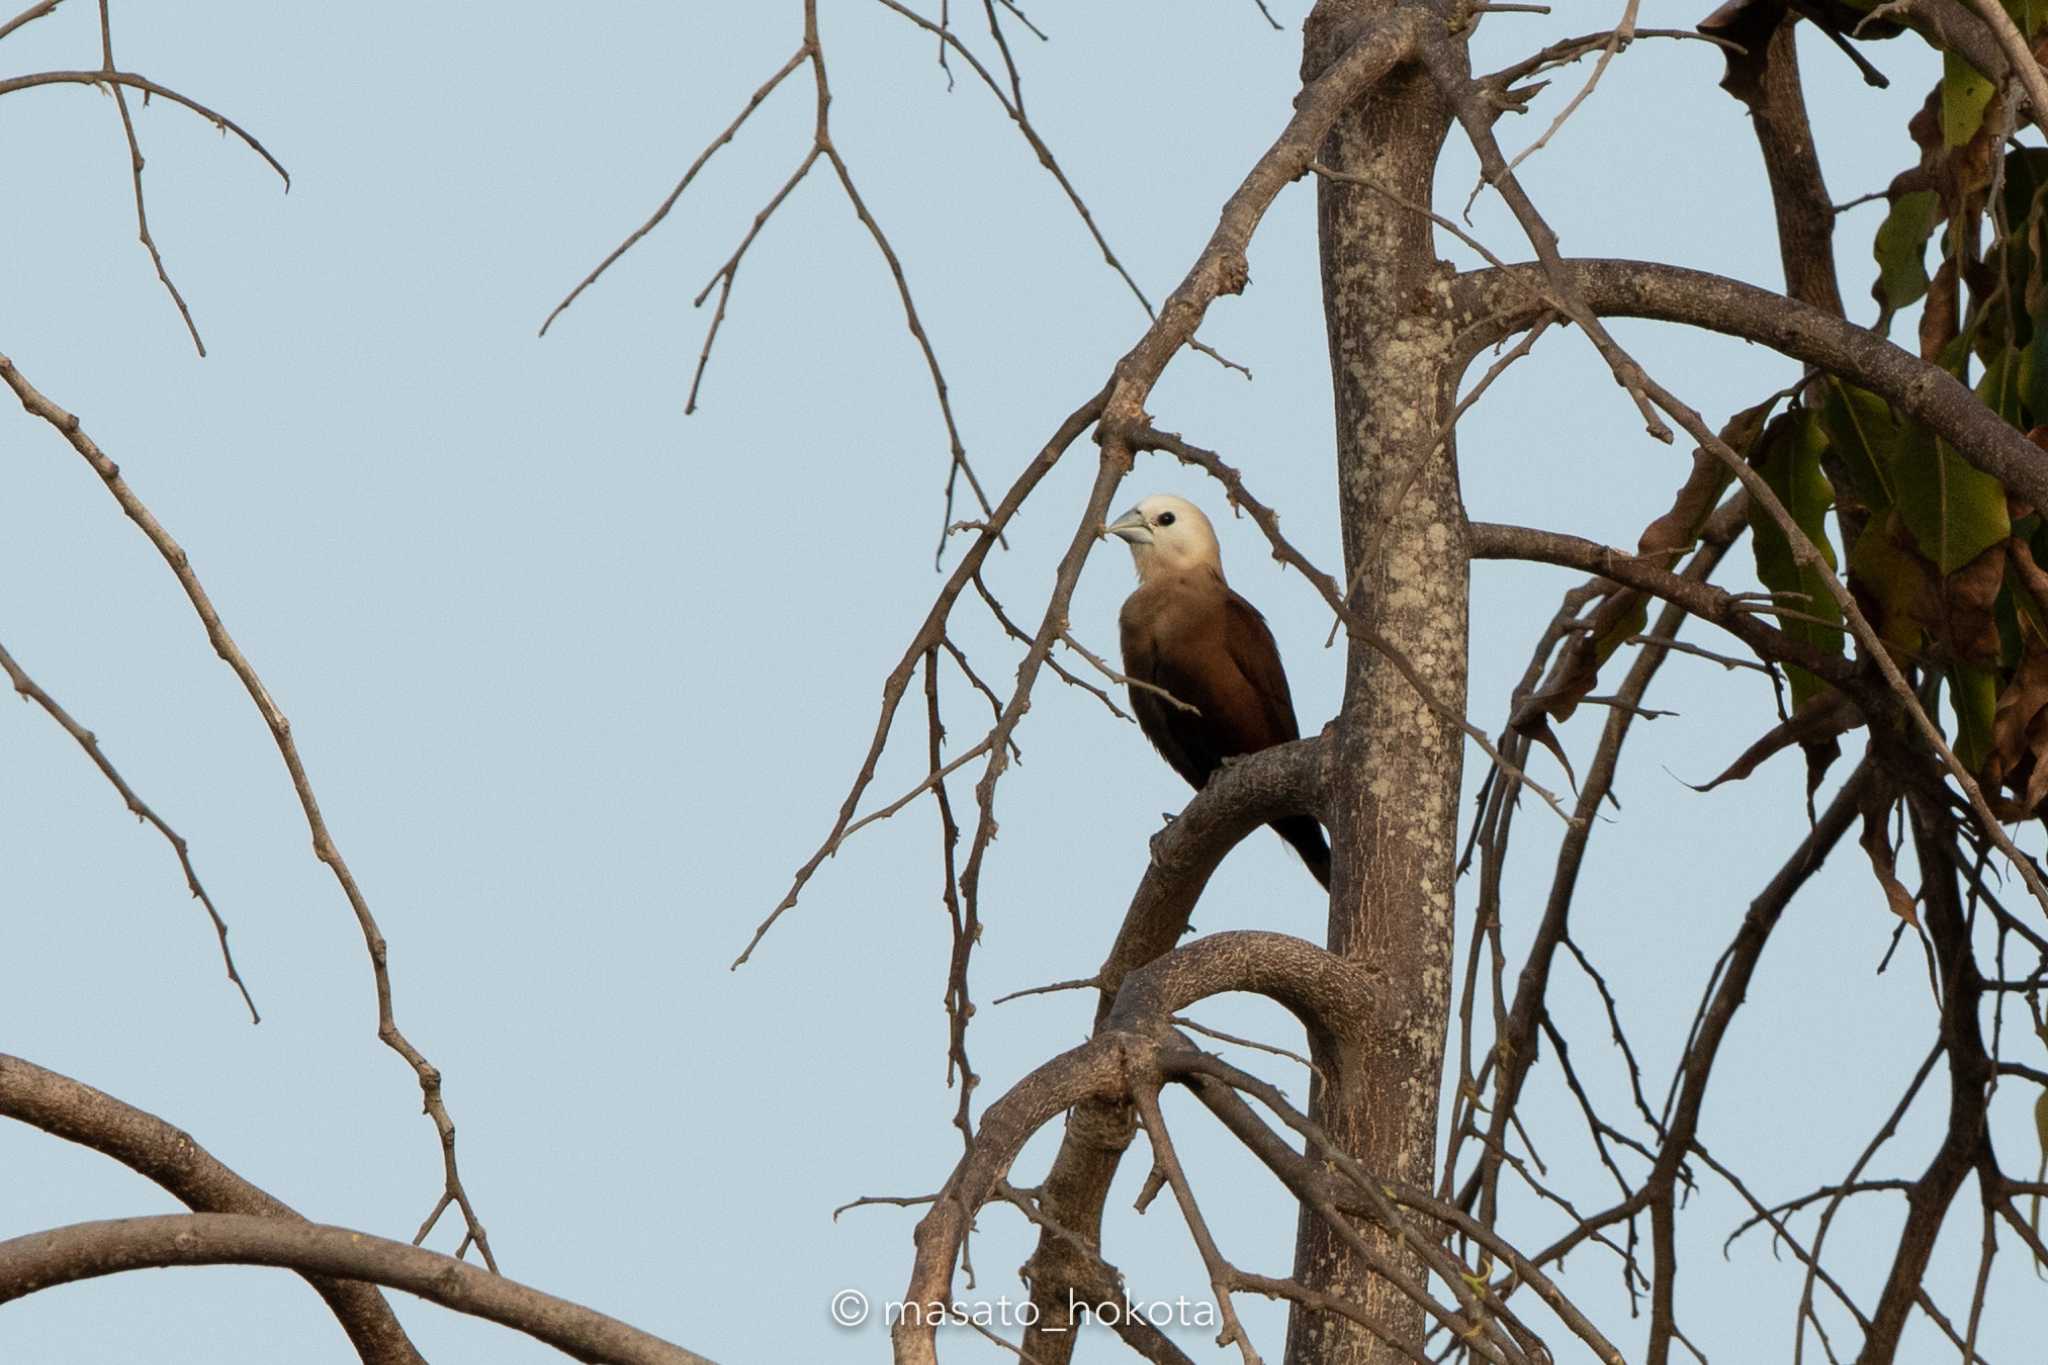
(1254, 1044)
(1221, 1272)
(87, 741)
(147, 87)
(1136, 684)
(1622, 34)
(324, 847)
(135, 172)
(753, 102)
(29, 15)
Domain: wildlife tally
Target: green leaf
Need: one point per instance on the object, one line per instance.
(1864, 437)
(2040, 1174)
(1901, 248)
(1626, 627)
(1973, 692)
(2000, 386)
(2009, 609)
(1964, 95)
(2012, 256)
(1954, 511)
(2027, 14)
(1789, 460)
(2026, 171)
(2034, 376)
(1898, 582)
(2033, 287)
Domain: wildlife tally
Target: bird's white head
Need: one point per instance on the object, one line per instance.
(1167, 535)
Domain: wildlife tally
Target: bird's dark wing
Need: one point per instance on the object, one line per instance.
(1251, 647)
(1257, 656)
(1187, 742)
(1210, 649)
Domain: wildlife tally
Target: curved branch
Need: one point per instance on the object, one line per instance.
(148, 87)
(1709, 603)
(1102, 1068)
(1328, 993)
(1286, 779)
(1516, 1025)
(1321, 1179)
(29, 15)
(83, 1251)
(1121, 1060)
(167, 1155)
(1491, 304)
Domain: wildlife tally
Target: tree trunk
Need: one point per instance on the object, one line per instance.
(1394, 795)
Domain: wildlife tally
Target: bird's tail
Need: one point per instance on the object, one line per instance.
(1306, 836)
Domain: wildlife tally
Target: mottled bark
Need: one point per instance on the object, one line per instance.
(1392, 804)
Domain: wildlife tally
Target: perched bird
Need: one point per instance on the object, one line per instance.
(1186, 632)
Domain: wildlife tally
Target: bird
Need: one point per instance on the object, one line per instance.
(1185, 632)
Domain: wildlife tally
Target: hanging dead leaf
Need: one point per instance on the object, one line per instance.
(1813, 725)
(1968, 625)
(1877, 843)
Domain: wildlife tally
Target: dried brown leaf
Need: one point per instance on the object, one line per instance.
(1814, 725)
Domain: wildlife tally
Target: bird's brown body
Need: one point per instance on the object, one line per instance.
(1186, 632)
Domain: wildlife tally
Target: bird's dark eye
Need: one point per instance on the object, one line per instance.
(1166, 518)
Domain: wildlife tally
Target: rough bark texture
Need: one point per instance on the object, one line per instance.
(1393, 799)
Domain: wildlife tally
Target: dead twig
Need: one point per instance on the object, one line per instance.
(324, 847)
(87, 741)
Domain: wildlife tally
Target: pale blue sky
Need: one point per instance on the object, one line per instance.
(581, 681)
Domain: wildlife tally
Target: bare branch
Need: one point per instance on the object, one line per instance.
(135, 171)
(89, 742)
(1221, 1273)
(932, 630)
(1492, 304)
(324, 847)
(84, 1251)
(753, 102)
(147, 87)
(169, 1156)
(29, 15)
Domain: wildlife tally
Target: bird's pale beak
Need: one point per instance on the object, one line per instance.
(1130, 527)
